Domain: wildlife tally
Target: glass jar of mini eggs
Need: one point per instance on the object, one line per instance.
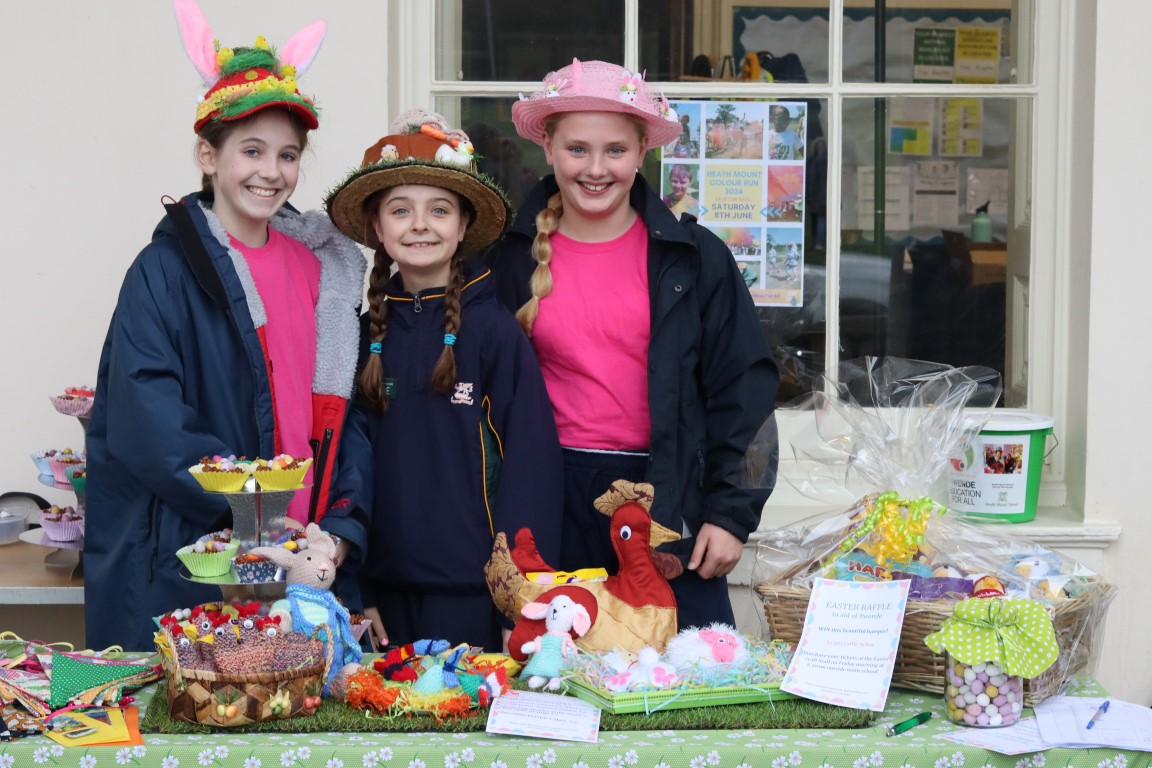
(981, 695)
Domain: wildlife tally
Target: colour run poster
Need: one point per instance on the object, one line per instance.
(738, 167)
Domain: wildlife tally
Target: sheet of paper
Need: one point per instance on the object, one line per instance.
(544, 716)
(1064, 720)
(1014, 740)
(848, 647)
(936, 190)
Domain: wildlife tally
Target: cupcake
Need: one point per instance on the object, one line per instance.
(41, 459)
(221, 474)
(62, 523)
(280, 473)
(76, 401)
(211, 554)
(78, 476)
(253, 569)
(62, 461)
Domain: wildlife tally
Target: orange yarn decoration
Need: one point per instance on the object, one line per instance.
(366, 690)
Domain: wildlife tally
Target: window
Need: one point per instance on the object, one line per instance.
(934, 109)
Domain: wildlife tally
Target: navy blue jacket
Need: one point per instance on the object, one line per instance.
(429, 483)
(711, 378)
(181, 378)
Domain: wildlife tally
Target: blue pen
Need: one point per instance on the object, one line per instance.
(1099, 711)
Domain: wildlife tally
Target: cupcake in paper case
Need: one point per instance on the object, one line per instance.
(41, 459)
(76, 401)
(209, 556)
(78, 476)
(62, 523)
(280, 473)
(62, 461)
(253, 569)
(221, 474)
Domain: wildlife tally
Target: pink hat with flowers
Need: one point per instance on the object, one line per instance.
(596, 86)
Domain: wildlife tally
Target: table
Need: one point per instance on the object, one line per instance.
(26, 581)
(856, 748)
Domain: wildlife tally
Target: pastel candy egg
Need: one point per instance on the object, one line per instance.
(969, 698)
(983, 719)
(995, 719)
(959, 702)
(992, 669)
(998, 680)
(992, 691)
(951, 691)
(990, 709)
(970, 719)
(974, 709)
(977, 686)
(983, 700)
(1005, 709)
(969, 675)
(1001, 699)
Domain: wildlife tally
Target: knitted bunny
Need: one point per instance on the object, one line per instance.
(309, 601)
(562, 615)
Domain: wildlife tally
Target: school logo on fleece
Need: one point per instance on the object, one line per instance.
(463, 393)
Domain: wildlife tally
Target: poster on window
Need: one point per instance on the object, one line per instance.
(739, 168)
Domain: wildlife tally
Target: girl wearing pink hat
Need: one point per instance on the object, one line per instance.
(651, 350)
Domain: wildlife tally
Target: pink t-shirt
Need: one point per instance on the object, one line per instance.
(287, 277)
(592, 340)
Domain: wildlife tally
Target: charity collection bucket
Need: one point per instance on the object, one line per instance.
(997, 474)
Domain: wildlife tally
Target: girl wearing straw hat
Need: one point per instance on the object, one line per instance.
(653, 355)
(452, 439)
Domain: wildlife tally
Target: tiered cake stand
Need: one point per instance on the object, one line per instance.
(67, 556)
(259, 518)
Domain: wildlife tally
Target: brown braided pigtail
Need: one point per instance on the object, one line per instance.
(371, 380)
(444, 374)
(547, 222)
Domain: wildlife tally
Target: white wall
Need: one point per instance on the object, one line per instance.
(97, 127)
(1119, 428)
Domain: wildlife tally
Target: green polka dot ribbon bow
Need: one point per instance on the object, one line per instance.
(1016, 634)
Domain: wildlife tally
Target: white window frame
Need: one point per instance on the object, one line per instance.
(1046, 200)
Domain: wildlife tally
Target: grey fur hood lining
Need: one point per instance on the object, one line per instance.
(342, 269)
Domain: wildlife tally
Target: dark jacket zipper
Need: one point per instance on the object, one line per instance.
(321, 452)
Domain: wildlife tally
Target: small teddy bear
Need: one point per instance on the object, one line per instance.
(309, 601)
(562, 615)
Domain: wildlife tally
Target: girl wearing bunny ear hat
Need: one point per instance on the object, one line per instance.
(235, 334)
(655, 361)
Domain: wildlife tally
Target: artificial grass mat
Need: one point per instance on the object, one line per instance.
(339, 717)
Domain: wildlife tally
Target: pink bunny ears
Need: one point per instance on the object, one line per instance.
(243, 80)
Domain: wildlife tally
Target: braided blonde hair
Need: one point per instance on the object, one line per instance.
(547, 222)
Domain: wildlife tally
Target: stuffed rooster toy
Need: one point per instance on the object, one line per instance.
(632, 609)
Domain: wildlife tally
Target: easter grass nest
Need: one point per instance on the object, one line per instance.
(337, 716)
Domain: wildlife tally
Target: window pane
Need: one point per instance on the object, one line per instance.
(757, 40)
(921, 275)
(527, 39)
(964, 42)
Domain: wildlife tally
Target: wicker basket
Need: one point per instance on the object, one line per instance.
(195, 695)
(1076, 620)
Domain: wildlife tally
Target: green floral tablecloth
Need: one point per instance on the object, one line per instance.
(860, 748)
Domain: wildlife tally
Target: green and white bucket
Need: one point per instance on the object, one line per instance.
(997, 475)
